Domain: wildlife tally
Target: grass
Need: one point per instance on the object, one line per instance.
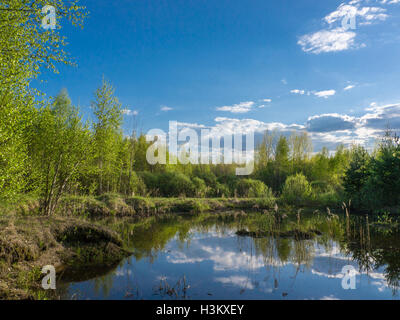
(23, 205)
(111, 204)
(30, 242)
(116, 205)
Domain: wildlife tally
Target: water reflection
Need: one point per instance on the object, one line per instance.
(202, 257)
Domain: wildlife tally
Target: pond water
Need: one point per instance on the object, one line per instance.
(202, 257)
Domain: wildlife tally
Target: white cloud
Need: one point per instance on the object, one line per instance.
(364, 14)
(349, 87)
(238, 281)
(324, 129)
(129, 112)
(242, 107)
(297, 91)
(390, 1)
(166, 109)
(343, 24)
(267, 101)
(191, 125)
(382, 117)
(325, 94)
(327, 41)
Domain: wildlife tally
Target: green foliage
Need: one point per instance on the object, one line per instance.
(385, 218)
(220, 190)
(168, 184)
(384, 181)
(249, 188)
(296, 190)
(175, 184)
(47, 150)
(59, 143)
(26, 49)
(28, 46)
(282, 150)
(279, 158)
(330, 197)
(108, 137)
(200, 187)
(205, 173)
(357, 175)
(373, 182)
(15, 118)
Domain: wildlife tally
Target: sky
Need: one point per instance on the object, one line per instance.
(328, 67)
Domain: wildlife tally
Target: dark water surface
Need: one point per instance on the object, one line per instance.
(201, 257)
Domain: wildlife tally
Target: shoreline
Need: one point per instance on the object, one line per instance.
(141, 207)
(29, 243)
(67, 239)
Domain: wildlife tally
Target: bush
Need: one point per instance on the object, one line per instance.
(137, 185)
(220, 190)
(229, 180)
(296, 189)
(173, 184)
(151, 182)
(373, 182)
(249, 188)
(357, 175)
(209, 178)
(200, 187)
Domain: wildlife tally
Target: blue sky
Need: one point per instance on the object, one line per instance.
(228, 64)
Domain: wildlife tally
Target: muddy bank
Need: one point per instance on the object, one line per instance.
(29, 243)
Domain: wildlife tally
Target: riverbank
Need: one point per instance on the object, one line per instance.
(28, 243)
(116, 205)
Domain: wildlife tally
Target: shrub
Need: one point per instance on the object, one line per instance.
(200, 187)
(220, 190)
(229, 180)
(137, 185)
(296, 189)
(173, 184)
(250, 188)
(151, 182)
(357, 175)
(209, 178)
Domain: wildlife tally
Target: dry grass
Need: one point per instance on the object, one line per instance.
(29, 243)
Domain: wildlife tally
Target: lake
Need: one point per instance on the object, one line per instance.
(287, 256)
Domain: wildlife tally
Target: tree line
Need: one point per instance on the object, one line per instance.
(47, 150)
(65, 155)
